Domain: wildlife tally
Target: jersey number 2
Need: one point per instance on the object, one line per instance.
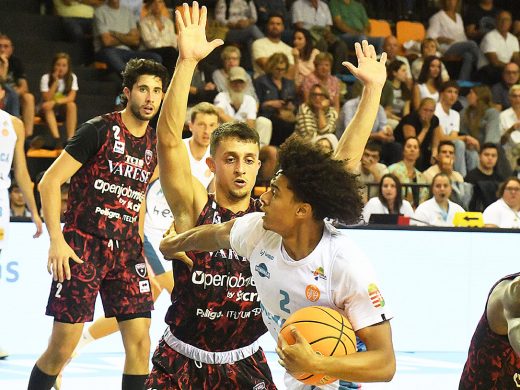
(284, 301)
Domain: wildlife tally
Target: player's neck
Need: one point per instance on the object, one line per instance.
(136, 127)
(301, 241)
(231, 203)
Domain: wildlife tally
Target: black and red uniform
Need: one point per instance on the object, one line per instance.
(492, 364)
(214, 321)
(101, 222)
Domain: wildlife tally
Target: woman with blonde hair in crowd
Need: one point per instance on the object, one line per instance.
(59, 88)
(480, 119)
(429, 81)
(304, 54)
(316, 116)
(389, 199)
(230, 57)
(407, 173)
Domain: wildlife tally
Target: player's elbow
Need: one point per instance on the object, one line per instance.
(387, 369)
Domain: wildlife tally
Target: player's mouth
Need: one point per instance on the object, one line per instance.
(240, 182)
(148, 110)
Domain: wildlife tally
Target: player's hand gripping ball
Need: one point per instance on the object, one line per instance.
(327, 331)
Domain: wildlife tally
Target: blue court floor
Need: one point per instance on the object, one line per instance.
(415, 371)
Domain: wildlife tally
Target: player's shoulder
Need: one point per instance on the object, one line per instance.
(342, 245)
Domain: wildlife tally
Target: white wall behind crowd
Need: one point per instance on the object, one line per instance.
(435, 281)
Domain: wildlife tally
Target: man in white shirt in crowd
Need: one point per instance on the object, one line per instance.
(272, 43)
(466, 146)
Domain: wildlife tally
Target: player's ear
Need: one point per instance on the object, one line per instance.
(210, 162)
(126, 92)
(304, 210)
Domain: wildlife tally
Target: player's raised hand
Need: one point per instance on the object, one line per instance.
(192, 42)
(369, 71)
(58, 263)
(296, 358)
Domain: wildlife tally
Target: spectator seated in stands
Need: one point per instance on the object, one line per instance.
(277, 96)
(77, 17)
(158, 33)
(445, 160)
(500, 91)
(505, 212)
(510, 128)
(439, 210)
(480, 19)
(202, 89)
(388, 200)
(12, 72)
(499, 47)
(381, 132)
(115, 33)
(322, 75)
(230, 57)
(316, 117)
(239, 16)
(272, 43)
(392, 48)
(327, 142)
(351, 23)
(423, 125)
(479, 118)
(264, 8)
(59, 88)
(19, 209)
(304, 55)
(402, 96)
(428, 48)
(429, 81)
(447, 28)
(466, 146)
(315, 16)
(234, 104)
(370, 170)
(407, 173)
(484, 178)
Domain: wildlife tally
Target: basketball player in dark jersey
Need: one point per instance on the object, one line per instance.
(110, 161)
(494, 353)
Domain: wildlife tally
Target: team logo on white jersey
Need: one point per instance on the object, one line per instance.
(375, 296)
(262, 270)
(148, 155)
(141, 269)
(319, 273)
(312, 293)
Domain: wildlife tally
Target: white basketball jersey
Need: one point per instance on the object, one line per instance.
(7, 144)
(199, 168)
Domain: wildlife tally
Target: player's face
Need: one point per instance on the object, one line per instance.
(441, 189)
(202, 127)
(279, 206)
(145, 97)
(512, 194)
(235, 166)
(388, 189)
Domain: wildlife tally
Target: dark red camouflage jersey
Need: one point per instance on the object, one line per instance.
(106, 193)
(215, 306)
(492, 364)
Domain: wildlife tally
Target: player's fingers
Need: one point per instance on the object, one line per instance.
(66, 269)
(49, 265)
(59, 270)
(216, 43)
(203, 16)
(76, 258)
(179, 21)
(187, 16)
(297, 335)
(365, 49)
(195, 13)
(281, 363)
(55, 269)
(358, 50)
(383, 58)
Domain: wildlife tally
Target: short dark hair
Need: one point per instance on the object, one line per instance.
(374, 146)
(275, 14)
(321, 181)
(503, 185)
(488, 145)
(237, 130)
(445, 142)
(137, 67)
(449, 84)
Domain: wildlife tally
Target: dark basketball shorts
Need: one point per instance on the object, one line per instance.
(172, 370)
(115, 268)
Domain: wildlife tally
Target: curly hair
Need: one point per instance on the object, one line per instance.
(318, 179)
(137, 67)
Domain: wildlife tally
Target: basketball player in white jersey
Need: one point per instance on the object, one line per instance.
(297, 259)
(12, 137)
(158, 218)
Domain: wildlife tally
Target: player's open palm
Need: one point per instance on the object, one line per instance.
(369, 69)
(58, 263)
(192, 40)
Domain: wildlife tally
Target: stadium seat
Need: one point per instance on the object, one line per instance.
(379, 28)
(409, 31)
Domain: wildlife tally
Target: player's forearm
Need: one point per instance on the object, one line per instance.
(26, 185)
(172, 116)
(204, 238)
(369, 366)
(51, 205)
(354, 139)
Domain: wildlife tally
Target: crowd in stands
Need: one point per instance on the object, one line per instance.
(447, 134)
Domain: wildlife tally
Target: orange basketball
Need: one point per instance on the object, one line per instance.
(328, 333)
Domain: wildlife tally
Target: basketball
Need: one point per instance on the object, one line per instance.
(327, 331)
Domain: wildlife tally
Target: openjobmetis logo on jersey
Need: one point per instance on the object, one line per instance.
(375, 296)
